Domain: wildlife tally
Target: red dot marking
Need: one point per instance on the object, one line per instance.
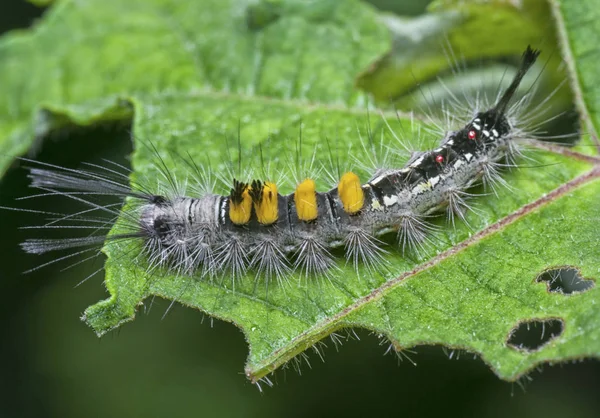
(472, 134)
(439, 159)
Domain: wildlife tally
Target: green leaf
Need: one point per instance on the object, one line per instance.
(191, 74)
(461, 43)
(87, 60)
(577, 26)
(468, 296)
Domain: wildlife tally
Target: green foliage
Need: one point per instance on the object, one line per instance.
(85, 62)
(461, 34)
(189, 72)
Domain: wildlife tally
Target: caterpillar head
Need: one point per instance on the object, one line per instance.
(492, 125)
(486, 127)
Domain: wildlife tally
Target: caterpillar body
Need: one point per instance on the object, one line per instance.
(257, 228)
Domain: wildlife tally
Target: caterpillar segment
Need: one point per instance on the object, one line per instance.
(265, 198)
(240, 203)
(305, 200)
(351, 193)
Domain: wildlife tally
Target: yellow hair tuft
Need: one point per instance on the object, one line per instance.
(351, 193)
(266, 208)
(240, 208)
(305, 199)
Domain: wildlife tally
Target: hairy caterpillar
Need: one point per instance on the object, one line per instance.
(256, 228)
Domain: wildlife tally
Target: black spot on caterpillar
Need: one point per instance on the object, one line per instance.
(255, 228)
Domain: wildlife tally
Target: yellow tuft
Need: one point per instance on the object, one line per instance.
(351, 193)
(267, 209)
(239, 213)
(305, 199)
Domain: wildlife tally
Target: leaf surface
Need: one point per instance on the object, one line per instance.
(86, 61)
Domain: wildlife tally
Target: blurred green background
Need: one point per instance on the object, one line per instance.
(187, 365)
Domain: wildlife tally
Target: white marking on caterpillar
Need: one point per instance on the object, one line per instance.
(378, 179)
(458, 164)
(417, 162)
(376, 205)
(390, 200)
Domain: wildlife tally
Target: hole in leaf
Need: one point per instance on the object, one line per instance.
(533, 334)
(565, 280)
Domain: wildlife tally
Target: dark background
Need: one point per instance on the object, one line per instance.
(53, 365)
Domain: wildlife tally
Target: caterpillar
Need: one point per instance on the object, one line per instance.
(255, 228)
